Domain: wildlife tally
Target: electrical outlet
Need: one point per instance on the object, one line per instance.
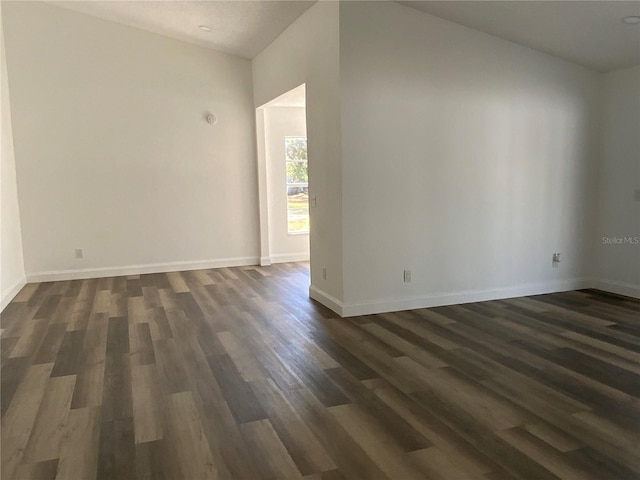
(555, 260)
(79, 253)
(324, 273)
(407, 276)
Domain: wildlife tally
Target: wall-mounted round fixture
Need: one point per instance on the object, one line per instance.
(631, 19)
(211, 119)
(206, 28)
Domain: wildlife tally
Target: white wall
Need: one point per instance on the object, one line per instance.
(618, 261)
(12, 276)
(308, 52)
(281, 122)
(466, 158)
(114, 153)
(432, 147)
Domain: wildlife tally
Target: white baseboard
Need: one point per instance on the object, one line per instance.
(84, 273)
(453, 298)
(327, 300)
(265, 261)
(342, 309)
(9, 293)
(290, 257)
(620, 288)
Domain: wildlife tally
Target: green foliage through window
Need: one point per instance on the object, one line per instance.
(296, 148)
(297, 184)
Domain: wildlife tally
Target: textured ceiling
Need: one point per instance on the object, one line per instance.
(242, 28)
(589, 33)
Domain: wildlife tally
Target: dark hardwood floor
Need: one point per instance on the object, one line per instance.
(235, 373)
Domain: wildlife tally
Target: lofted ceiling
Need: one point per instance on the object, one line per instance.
(241, 28)
(586, 32)
(589, 33)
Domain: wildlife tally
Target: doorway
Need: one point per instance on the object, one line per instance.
(283, 178)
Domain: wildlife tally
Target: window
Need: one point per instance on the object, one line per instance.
(297, 184)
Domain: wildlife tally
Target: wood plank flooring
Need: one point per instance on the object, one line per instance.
(235, 374)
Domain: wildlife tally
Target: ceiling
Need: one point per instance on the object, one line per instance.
(589, 33)
(241, 28)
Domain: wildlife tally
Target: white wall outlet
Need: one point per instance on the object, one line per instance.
(407, 276)
(324, 273)
(79, 253)
(555, 260)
